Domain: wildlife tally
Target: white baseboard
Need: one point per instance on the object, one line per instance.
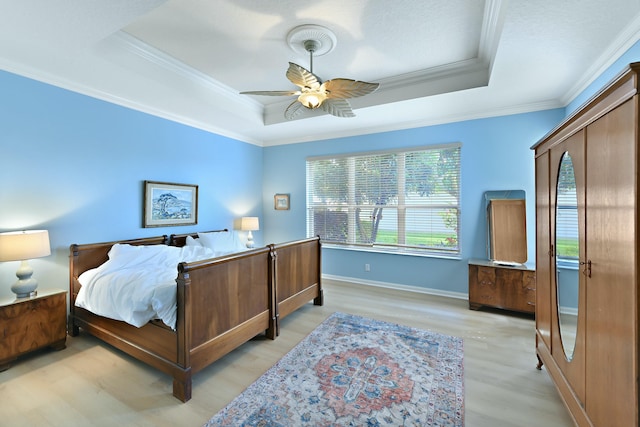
(418, 289)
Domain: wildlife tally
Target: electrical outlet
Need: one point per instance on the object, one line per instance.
(367, 267)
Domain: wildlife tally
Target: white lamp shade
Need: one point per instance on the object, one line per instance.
(23, 245)
(249, 223)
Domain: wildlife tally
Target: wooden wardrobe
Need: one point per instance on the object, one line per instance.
(591, 350)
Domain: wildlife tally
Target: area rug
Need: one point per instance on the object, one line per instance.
(355, 371)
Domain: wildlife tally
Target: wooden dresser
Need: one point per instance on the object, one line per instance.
(499, 286)
(592, 356)
(28, 324)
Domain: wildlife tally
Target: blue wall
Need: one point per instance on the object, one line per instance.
(75, 165)
(496, 155)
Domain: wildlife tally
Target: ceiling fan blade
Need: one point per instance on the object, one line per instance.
(347, 88)
(272, 92)
(293, 110)
(338, 107)
(302, 77)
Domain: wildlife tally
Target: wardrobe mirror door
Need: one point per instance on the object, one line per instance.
(567, 254)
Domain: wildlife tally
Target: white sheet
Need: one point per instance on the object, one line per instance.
(138, 283)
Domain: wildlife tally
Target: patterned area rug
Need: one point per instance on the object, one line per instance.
(354, 371)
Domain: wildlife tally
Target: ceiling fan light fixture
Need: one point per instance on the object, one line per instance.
(331, 96)
(312, 100)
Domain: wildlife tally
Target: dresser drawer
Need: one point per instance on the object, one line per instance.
(486, 276)
(482, 285)
(502, 287)
(530, 288)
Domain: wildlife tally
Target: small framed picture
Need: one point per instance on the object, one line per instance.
(281, 202)
(167, 204)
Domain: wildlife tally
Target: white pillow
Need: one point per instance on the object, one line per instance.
(122, 249)
(192, 242)
(222, 242)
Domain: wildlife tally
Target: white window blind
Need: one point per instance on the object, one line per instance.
(401, 201)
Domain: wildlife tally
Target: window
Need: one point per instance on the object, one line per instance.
(567, 245)
(405, 201)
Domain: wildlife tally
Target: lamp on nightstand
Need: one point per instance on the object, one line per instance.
(249, 223)
(22, 246)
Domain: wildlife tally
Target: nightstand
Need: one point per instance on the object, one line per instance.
(31, 323)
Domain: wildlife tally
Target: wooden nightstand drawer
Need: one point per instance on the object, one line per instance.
(27, 324)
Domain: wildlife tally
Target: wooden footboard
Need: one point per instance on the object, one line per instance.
(227, 301)
(297, 275)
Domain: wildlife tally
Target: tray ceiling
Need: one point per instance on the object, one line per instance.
(437, 61)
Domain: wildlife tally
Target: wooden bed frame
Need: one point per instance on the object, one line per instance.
(297, 276)
(297, 273)
(221, 303)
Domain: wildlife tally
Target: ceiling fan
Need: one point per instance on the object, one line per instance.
(330, 96)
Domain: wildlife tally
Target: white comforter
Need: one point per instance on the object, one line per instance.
(138, 283)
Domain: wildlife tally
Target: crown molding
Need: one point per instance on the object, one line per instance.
(482, 113)
(627, 38)
(161, 59)
(420, 84)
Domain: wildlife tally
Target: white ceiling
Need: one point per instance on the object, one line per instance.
(437, 61)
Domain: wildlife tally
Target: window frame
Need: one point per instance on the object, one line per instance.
(400, 207)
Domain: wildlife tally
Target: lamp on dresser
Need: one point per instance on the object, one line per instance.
(249, 224)
(23, 246)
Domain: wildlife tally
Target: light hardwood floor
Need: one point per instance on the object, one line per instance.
(92, 384)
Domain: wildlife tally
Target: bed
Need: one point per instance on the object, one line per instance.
(296, 270)
(221, 303)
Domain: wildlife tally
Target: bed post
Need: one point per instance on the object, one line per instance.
(182, 377)
(319, 300)
(182, 385)
(73, 330)
(274, 321)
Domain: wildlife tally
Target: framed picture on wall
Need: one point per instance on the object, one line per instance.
(281, 202)
(167, 204)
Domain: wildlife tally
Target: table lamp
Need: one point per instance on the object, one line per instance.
(249, 223)
(22, 246)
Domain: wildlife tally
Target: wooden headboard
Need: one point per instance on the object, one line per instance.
(86, 257)
(181, 239)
